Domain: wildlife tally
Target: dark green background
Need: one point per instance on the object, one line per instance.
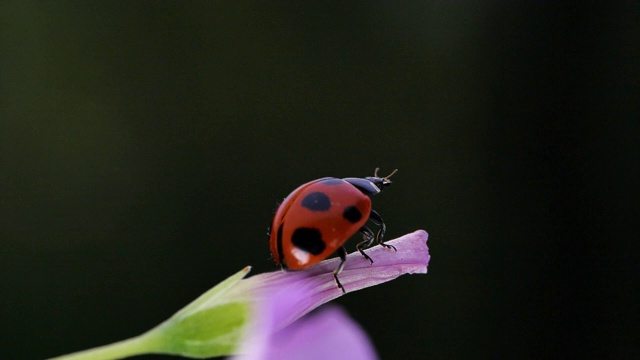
(143, 146)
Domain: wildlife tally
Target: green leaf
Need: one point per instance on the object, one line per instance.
(209, 332)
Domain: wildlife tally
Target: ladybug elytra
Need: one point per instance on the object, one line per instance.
(317, 218)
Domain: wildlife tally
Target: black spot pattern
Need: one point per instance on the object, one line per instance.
(317, 201)
(352, 214)
(309, 240)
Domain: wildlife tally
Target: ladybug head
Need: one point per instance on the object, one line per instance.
(381, 182)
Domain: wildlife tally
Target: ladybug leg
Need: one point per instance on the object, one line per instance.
(369, 237)
(376, 219)
(342, 253)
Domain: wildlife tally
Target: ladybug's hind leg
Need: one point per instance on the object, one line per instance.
(342, 253)
(376, 219)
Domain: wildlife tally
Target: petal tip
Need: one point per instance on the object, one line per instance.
(422, 233)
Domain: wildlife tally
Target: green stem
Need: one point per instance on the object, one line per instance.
(142, 344)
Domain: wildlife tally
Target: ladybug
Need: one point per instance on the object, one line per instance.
(317, 218)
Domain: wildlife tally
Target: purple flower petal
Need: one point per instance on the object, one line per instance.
(412, 257)
(268, 311)
(329, 334)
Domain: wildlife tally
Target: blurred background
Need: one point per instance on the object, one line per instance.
(143, 146)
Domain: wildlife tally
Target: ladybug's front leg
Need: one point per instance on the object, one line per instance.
(376, 219)
(369, 237)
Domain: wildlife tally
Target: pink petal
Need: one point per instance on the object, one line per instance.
(412, 257)
(330, 334)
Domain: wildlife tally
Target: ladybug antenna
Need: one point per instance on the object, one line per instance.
(375, 174)
(390, 175)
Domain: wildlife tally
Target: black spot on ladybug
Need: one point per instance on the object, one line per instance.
(309, 240)
(332, 182)
(352, 214)
(317, 201)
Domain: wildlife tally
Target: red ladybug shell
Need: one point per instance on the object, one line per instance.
(315, 220)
